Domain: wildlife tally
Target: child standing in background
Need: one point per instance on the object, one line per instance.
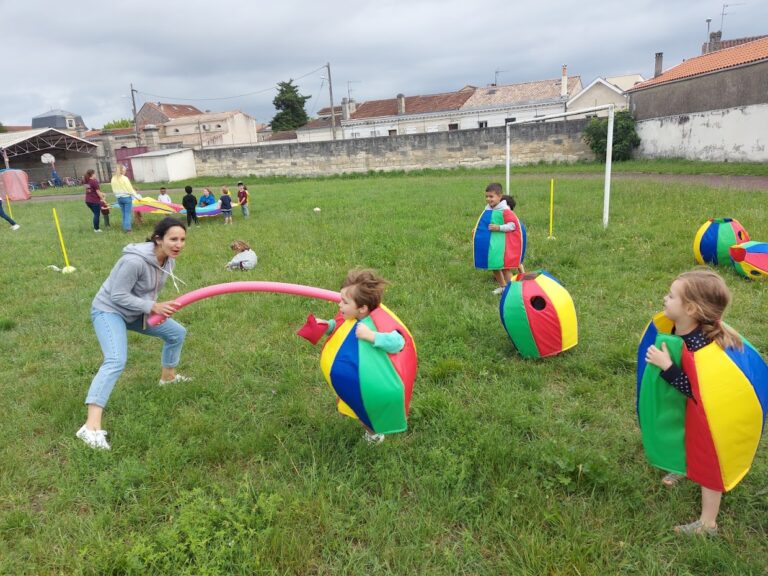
(242, 198)
(499, 253)
(164, 197)
(190, 205)
(245, 259)
(105, 213)
(225, 205)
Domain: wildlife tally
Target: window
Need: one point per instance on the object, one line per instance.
(393, 132)
(508, 120)
(176, 130)
(482, 124)
(374, 132)
(355, 134)
(454, 126)
(218, 125)
(70, 123)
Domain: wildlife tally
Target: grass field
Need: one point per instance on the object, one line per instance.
(509, 466)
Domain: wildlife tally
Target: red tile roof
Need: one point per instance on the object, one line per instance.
(413, 105)
(720, 45)
(17, 128)
(714, 61)
(177, 110)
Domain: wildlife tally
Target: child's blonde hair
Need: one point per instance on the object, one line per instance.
(366, 287)
(224, 190)
(706, 291)
(239, 246)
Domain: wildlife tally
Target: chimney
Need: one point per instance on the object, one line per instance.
(657, 69)
(564, 82)
(152, 137)
(344, 109)
(715, 43)
(400, 104)
(352, 106)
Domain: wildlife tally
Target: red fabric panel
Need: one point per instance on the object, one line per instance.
(702, 464)
(514, 241)
(545, 324)
(404, 362)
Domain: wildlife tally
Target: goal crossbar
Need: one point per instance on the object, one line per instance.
(608, 150)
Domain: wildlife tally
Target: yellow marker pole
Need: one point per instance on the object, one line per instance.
(10, 211)
(61, 238)
(551, 207)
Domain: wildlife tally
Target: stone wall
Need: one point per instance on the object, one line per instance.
(531, 143)
(732, 134)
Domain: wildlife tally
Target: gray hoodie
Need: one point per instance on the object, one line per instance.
(134, 283)
(509, 226)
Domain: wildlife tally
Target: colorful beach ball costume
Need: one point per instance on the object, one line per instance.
(750, 260)
(498, 250)
(371, 385)
(715, 237)
(712, 436)
(538, 314)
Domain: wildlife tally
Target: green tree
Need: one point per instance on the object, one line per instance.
(290, 107)
(119, 123)
(2, 128)
(625, 137)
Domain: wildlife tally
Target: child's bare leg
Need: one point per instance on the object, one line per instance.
(710, 506)
(499, 276)
(507, 272)
(521, 268)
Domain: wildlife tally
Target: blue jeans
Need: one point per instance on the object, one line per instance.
(126, 209)
(245, 210)
(96, 209)
(112, 333)
(5, 216)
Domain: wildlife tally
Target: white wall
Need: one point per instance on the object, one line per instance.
(178, 166)
(733, 134)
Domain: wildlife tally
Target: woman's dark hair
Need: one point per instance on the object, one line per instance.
(162, 227)
(88, 174)
(510, 201)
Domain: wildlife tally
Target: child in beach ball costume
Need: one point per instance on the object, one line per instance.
(538, 314)
(750, 260)
(714, 238)
(702, 393)
(499, 237)
(369, 360)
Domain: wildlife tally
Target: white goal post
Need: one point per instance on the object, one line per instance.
(608, 150)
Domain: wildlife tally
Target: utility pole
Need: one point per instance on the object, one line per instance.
(135, 124)
(333, 110)
(496, 76)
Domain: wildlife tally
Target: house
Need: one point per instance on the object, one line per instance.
(710, 107)
(209, 129)
(603, 91)
(716, 43)
(60, 120)
(467, 108)
(160, 113)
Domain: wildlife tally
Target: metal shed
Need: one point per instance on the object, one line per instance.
(164, 165)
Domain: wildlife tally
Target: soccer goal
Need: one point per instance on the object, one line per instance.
(608, 150)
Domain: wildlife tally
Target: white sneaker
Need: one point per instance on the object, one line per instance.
(499, 290)
(177, 379)
(94, 438)
(96, 230)
(373, 438)
(15, 227)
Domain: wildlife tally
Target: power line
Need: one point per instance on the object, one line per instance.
(262, 91)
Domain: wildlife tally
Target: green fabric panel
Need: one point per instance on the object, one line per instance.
(661, 410)
(381, 388)
(516, 322)
(725, 239)
(498, 243)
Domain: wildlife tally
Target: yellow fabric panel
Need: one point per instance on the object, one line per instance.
(733, 412)
(344, 408)
(566, 311)
(697, 243)
(331, 348)
(663, 324)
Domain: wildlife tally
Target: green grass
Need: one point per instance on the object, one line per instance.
(509, 466)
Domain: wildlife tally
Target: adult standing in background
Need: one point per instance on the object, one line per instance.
(242, 198)
(93, 197)
(124, 192)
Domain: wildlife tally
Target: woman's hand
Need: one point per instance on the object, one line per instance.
(364, 333)
(165, 309)
(660, 358)
(494, 227)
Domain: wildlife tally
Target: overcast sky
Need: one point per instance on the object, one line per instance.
(82, 55)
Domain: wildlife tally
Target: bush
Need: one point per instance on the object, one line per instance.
(625, 137)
